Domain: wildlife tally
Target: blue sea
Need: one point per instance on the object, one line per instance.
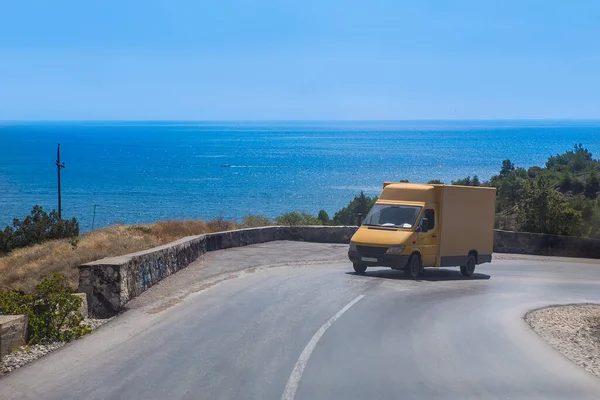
(134, 172)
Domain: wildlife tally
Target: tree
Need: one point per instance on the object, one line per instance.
(468, 181)
(565, 189)
(349, 214)
(576, 160)
(435, 182)
(37, 227)
(542, 211)
(511, 189)
(592, 186)
(323, 217)
(590, 215)
(507, 168)
(534, 171)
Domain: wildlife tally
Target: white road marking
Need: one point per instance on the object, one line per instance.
(292, 384)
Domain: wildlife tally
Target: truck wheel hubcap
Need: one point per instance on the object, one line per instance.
(415, 266)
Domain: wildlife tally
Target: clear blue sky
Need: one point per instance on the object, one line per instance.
(299, 59)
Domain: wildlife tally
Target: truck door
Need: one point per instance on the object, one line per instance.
(429, 241)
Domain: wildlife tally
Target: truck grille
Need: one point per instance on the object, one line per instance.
(371, 250)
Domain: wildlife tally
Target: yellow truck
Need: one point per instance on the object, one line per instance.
(412, 226)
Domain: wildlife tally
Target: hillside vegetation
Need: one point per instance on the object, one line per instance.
(560, 198)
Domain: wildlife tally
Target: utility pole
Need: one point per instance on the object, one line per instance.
(59, 166)
(94, 217)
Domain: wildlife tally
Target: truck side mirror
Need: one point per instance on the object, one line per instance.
(359, 216)
(424, 227)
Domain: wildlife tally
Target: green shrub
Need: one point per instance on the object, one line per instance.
(297, 219)
(348, 215)
(323, 217)
(255, 221)
(542, 210)
(468, 181)
(37, 227)
(52, 310)
(592, 185)
(534, 171)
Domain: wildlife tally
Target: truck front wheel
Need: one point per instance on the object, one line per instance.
(359, 268)
(467, 270)
(413, 266)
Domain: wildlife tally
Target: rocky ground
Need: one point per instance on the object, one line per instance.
(29, 353)
(572, 329)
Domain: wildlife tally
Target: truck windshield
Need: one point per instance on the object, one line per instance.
(395, 216)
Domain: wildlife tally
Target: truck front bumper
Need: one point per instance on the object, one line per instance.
(395, 261)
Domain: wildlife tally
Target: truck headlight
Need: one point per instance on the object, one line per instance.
(395, 249)
(352, 246)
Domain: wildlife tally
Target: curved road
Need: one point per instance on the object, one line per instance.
(310, 329)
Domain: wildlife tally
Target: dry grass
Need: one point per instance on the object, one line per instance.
(23, 268)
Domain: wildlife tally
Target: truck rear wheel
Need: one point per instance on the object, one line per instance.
(413, 266)
(467, 270)
(359, 268)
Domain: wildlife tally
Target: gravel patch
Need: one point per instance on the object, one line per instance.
(26, 354)
(572, 329)
(97, 323)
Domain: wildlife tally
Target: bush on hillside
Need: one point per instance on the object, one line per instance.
(37, 227)
(510, 186)
(297, 219)
(51, 310)
(577, 160)
(542, 211)
(560, 198)
(220, 224)
(323, 217)
(468, 181)
(255, 221)
(592, 185)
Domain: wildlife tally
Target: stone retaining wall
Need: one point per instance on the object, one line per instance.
(545, 245)
(111, 282)
(13, 329)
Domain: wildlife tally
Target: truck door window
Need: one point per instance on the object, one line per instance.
(430, 215)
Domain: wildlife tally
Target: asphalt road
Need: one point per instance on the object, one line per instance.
(310, 329)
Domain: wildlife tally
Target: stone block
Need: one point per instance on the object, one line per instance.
(83, 309)
(13, 332)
